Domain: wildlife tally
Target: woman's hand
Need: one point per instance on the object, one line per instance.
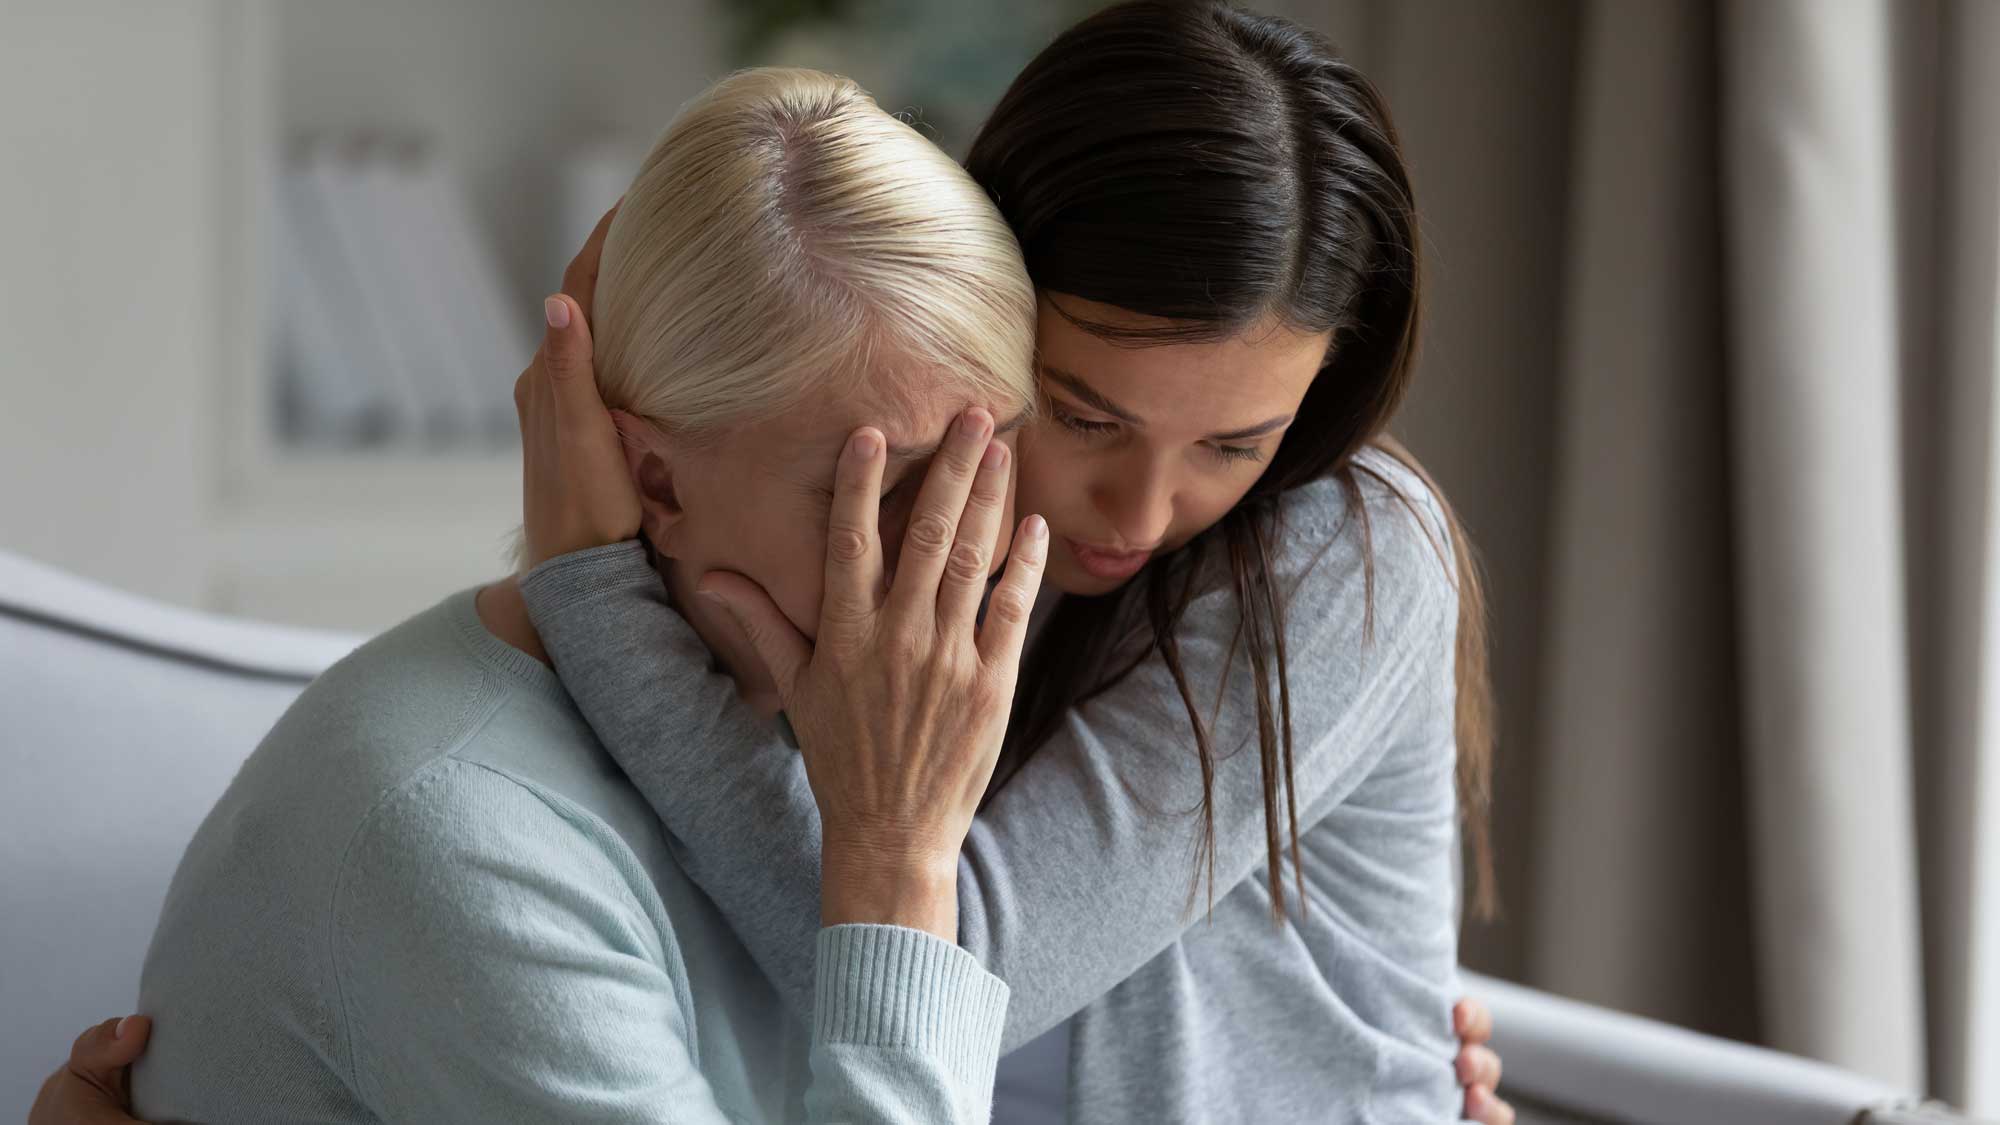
(95, 1086)
(576, 491)
(901, 705)
(1478, 1065)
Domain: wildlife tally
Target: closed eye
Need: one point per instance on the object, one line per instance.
(1079, 425)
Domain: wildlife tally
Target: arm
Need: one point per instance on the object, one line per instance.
(498, 959)
(1079, 870)
(91, 1088)
(1092, 800)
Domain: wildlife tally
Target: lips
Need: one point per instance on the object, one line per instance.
(1108, 565)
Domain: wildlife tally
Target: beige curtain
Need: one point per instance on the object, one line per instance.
(1710, 370)
(1755, 505)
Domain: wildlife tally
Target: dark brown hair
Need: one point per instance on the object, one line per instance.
(1214, 168)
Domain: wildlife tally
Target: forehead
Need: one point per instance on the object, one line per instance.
(910, 408)
(1263, 370)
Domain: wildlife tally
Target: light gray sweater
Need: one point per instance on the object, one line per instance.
(429, 896)
(1075, 883)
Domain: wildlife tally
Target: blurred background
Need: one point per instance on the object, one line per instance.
(1709, 371)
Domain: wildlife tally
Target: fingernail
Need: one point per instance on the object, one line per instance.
(119, 1031)
(1038, 528)
(557, 310)
(863, 444)
(972, 423)
(996, 455)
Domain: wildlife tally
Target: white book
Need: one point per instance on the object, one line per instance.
(330, 377)
(495, 330)
(418, 283)
(330, 184)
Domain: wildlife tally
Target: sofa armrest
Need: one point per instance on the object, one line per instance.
(1583, 1062)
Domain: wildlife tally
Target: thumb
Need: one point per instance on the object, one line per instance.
(567, 352)
(782, 648)
(102, 1051)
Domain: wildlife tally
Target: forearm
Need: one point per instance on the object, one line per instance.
(906, 1027)
(1065, 885)
(725, 782)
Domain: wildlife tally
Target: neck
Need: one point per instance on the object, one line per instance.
(505, 614)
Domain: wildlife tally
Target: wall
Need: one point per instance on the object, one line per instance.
(108, 287)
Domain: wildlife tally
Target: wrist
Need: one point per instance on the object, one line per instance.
(913, 888)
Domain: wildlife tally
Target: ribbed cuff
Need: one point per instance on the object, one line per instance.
(889, 986)
(579, 576)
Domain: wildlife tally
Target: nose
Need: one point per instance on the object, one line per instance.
(1137, 499)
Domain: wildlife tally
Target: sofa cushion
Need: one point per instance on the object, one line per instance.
(121, 721)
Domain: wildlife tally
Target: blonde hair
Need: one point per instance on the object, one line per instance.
(786, 233)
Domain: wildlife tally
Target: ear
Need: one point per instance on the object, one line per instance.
(649, 457)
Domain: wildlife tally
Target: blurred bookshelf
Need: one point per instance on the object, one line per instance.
(400, 185)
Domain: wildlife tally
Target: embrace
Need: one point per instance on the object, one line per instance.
(961, 609)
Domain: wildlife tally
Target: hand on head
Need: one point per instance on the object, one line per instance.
(576, 491)
(902, 706)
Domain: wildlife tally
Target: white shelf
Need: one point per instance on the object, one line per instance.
(505, 92)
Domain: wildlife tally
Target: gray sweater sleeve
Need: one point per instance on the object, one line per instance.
(1081, 868)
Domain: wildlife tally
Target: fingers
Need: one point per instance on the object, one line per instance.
(577, 488)
(583, 425)
(566, 345)
(111, 1045)
(933, 526)
(784, 652)
(967, 567)
(1006, 627)
(853, 539)
(1479, 1066)
(1484, 1106)
(92, 1086)
(1472, 1022)
(580, 279)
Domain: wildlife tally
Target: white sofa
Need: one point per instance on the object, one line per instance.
(121, 721)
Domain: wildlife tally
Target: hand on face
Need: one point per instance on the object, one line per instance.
(901, 705)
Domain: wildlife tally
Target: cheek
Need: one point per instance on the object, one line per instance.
(798, 583)
(1199, 506)
(1049, 475)
(788, 561)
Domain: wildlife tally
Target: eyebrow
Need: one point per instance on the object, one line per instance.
(1076, 386)
(1069, 381)
(1258, 430)
(905, 454)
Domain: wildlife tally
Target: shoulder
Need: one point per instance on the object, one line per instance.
(504, 934)
(465, 846)
(1385, 538)
(401, 700)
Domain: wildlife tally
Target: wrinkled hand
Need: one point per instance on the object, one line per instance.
(95, 1086)
(1478, 1065)
(901, 705)
(576, 491)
